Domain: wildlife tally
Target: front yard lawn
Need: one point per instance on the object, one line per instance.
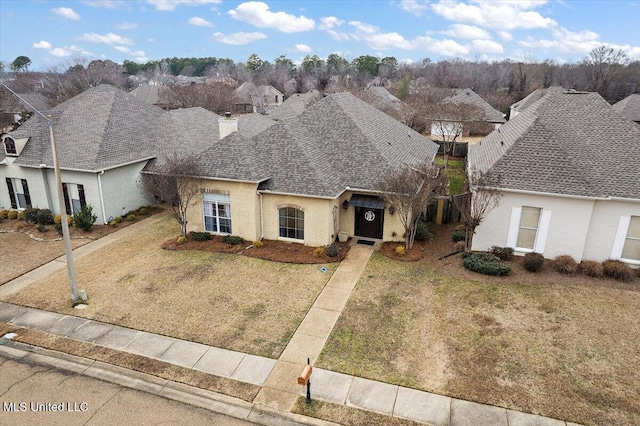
(568, 351)
(225, 300)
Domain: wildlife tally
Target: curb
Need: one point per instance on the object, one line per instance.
(219, 403)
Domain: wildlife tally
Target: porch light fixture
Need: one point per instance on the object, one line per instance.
(392, 210)
(65, 227)
(345, 204)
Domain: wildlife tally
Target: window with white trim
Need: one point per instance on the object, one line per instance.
(528, 228)
(217, 213)
(631, 247)
(10, 146)
(291, 223)
(18, 193)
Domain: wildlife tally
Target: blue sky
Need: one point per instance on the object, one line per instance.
(53, 32)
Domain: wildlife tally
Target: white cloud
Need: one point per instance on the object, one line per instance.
(42, 45)
(415, 7)
(364, 28)
(502, 15)
(329, 23)
(107, 4)
(337, 35)
(109, 38)
(139, 55)
(258, 14)
(127, 26)
(565, 41)
(445, 47)
(385, 41)
(505, 35)
(303, 48)
(486, 46)
(200, 22)
(66, 12)
(467, 31)
(169, 5)
(238, 38)
(60, 52)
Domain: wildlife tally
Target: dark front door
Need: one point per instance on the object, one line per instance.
(369, 222)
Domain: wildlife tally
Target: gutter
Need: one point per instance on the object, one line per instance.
(91, 171)
(104, 214)
(266, 191)
(551, 194)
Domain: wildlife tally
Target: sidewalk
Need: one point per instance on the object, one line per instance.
(277, 378)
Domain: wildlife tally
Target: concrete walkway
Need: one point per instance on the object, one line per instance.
(277, 378)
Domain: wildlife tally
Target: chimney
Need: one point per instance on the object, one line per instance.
(227, 125)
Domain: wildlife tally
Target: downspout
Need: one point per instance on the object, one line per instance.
(104, 214)
(261, 218)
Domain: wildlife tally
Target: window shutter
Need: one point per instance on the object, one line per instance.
(512, 236)
(65, 192)
(83, 201)
(543, 231)
(621, 234)
(12, 195)
(25, 191)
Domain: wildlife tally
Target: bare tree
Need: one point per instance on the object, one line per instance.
(481, 197)
(216, 97)
(171, 181)
(410, 190)
(602, 66)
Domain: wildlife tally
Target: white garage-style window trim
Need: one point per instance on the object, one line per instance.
(626, 246)
(528, 229)
(291, 223)
(216, 209)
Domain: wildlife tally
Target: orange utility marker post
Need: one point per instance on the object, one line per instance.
(303, 379)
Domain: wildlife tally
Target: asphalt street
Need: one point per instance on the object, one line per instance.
(35, 395)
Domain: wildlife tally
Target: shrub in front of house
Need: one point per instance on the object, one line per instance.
(131, 217)
(58, 227)
(617, 270)
(318, 252)
(12, 215)
(234, 240)
(486, 263)
(20, 215)
(502, 253)
(84, 218)
(258, 244)
(181, 240)
(4, 214)
(591, 268)
(422, 232)
(31, 215)
(44, 217)
(565, 264)
(458, 236)
(143, 211)
(533, 262)
(200, 236)
(332, 250)
(42, 229)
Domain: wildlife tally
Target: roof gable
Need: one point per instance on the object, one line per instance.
(469, 97)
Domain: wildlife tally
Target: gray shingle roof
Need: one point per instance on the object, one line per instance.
(468, 96)
(250, 125)
(147, 93)
(532, 97)
(336, 143)
(568, 142)
(629, 107)
(294, 105)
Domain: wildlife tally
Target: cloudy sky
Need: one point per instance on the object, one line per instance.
(52, 32)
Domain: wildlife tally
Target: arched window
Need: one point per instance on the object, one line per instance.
(291, 223)
(10, 146)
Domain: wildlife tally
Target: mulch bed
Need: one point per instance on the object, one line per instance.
(278, 251)
(416, 253)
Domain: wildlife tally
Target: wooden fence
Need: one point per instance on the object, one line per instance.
(444, 209)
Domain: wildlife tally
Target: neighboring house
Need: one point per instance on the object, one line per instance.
(468, 97)
(294, 105)
(382, 99)
(105, 137)
(570, 178)
(148, 93)
(629, 107)
(308, 178)
(530, 99)
(262, 99)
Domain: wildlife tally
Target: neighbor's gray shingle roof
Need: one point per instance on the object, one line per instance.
(147, 93)
(105, 127)
(294, 105)
(629, 107)
(469, 97)
(338, 142)
(570, 143)
(532, 97)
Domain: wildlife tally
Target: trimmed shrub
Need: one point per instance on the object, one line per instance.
(12, 214)
(617, 270)
(591, 268)
(143, 211)
(131, 217)
(459, 247)
(258, 244)
(31, 215)
(458, 236)
(200, 236)
(332, 250)
(20, 215)
(401, 251)
(57, 219)
(44, 217)
(84, 218)
(234, 240)
(422, 232)
(318, 252)
(502, 253)
(533, 262)
(181, 240)
(4, 214)
(565, 264)
(486, 263)
(58, 227)
(42, 229)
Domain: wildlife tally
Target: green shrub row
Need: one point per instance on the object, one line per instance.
(234, 240)
(200, 236)
(486, 263)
